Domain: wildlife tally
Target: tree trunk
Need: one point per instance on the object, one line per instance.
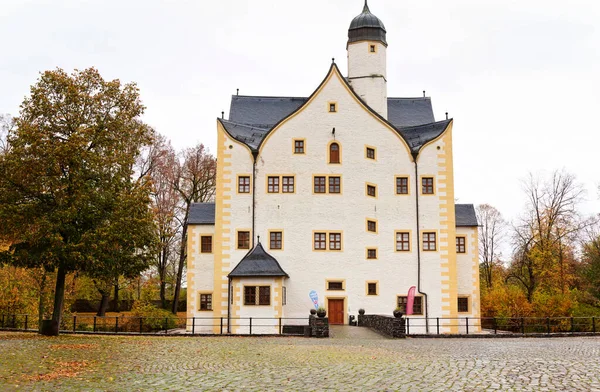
(180, 267)
(162, 274)
(117, 297)
(103, 304)
(41, 307)
(59, 301)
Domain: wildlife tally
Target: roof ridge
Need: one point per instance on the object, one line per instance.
(267, 96)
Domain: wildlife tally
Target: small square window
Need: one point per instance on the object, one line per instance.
(372, 48)
(460, 245)
(332, 107)
(427, 185)
(334, 185)
(287, 185)
(273, 184)
(429, 242)
(298, 146)
(205, 301)
(206, 244)
(244, 184)
(372, 226)
(371, 254)
(276, 240)
(335, 241)
(335, 285)
(319, 184)
(371, 190)
(463, 304)
(402, 185)
(371, 288)
(370, 153)
(402, 242)
(320, 240)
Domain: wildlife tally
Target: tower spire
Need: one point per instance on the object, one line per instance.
(366, 8)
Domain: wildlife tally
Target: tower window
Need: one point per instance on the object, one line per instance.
(332, 107)
(372, 48)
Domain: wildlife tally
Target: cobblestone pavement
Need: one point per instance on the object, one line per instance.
(346, 362)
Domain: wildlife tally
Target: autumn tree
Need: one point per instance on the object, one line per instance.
(166, 202)
(67, 171)
(195, 183)
(545, 233)
(491, 235)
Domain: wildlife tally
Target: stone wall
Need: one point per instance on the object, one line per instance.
(319, 326)
(387, 325)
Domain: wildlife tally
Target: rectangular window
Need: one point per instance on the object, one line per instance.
(372, 288)
(335, 241)
(249, 295)
(319, 183)
(298, 146)
(372, 48)
(273, 184)
(264, 295)
(463, 304)
(332, 107)
(429, 242)
(284, 294)
(320, 241)
(427, 185)
(243, 240)
(371, 253)
(334, 184)
(460, 245)
(275, 240)
(205, 301)
(287, 185)
(206, 244)
(402, 241)
(370, 153)
(402, 185)
(372, 226)
(244, 184)
(371, 190)
(335, 286)
(417, 304)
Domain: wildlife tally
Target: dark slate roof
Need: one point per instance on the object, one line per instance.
(202, 214)
(417, 136)
(258, 263)
(408, 112)
(247, 134)
(366, 26)
(465, 215)
(262, 112)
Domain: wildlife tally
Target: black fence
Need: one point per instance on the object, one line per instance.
(165, 326)
(502, 325)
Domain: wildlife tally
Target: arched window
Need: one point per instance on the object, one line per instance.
(334, 153)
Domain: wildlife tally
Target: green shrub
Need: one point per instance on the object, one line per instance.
(154, 319)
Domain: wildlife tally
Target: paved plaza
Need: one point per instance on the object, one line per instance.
(353, 359)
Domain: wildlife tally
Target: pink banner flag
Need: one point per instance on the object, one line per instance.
(410, 300)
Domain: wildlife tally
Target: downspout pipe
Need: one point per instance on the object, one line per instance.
(424, 294)
(229, 306)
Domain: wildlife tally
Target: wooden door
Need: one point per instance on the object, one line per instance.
(335, 311)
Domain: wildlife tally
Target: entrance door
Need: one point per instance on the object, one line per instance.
(335, 311)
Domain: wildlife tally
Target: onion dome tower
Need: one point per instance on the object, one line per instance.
(367, 63)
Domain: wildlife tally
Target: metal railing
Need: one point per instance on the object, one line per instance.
(502, 325)
(163, 325)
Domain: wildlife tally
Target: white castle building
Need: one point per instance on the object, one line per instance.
(347, 192)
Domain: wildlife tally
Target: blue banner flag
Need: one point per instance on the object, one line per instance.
(314, 297)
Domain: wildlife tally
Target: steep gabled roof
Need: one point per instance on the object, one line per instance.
(202, 214)
(257, 263)
(251, 119)
(465, 215)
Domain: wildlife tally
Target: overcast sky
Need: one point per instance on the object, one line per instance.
(520, 78)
